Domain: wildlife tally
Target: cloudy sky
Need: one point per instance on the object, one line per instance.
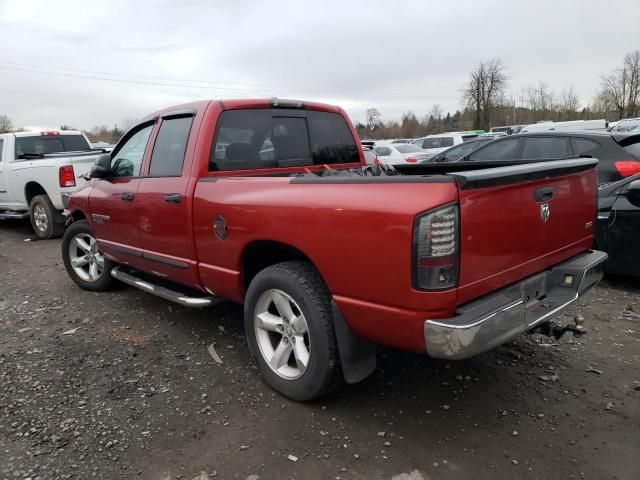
(87, 63)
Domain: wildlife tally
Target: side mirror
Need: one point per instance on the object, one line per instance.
(102, 167)
(634, 190)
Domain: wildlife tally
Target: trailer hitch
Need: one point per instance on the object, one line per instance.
(556, 331)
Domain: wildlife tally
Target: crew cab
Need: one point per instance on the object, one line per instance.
(38, 173)
(269, 203)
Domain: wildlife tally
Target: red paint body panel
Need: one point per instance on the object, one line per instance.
(504, 238)
(358, 235)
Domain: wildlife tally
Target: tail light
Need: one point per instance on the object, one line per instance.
(66, 176)
(376, 160)
(436, 249)
(411, 159)
(626, 169)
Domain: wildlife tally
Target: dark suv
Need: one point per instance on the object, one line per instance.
(618, 153)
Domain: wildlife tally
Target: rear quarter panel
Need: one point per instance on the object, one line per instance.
(359, 237)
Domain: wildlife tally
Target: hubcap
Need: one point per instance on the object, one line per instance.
(86, 260)
(40, 218)
(282, 334)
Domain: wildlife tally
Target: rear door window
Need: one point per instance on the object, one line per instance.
(632, 146)
(169, 148)
(497, 150)
(546, 147)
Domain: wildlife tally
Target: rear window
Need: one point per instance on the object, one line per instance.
(437, 142)
(407, 148)
(383, 151)
(40, 145)
(277, 138)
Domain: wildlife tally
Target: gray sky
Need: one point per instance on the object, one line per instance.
(88, 63)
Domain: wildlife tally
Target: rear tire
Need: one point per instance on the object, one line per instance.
(84, 263)
(298, 329)
(45, 219)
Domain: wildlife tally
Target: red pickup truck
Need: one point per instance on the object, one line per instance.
(270, 203)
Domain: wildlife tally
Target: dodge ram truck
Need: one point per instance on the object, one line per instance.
(38, 173)
(269, 203)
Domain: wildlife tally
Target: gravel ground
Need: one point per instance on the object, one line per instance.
(121, 385)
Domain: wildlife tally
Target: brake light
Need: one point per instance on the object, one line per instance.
(66, 176)
(376, 160)
(626, 169)
(49, 134)
(435, 249)
(411, 159)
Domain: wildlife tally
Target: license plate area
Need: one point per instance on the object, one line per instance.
(533, 290)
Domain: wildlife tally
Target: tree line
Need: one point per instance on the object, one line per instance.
(486, 103)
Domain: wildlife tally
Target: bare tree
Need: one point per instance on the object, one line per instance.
(6, 125)
(622, 86)
(373, 119)
(485, 90)
(568, 103)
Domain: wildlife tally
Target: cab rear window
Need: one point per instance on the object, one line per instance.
(278, 138)
(41, 145)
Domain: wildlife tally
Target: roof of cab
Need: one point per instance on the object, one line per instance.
(235, 104)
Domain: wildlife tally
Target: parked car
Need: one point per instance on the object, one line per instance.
(565, 126)
(625, 125)
(370, 155)
(38, 173)
(619, 154)
(434, 144)
(618, 227)
(329, 258)
(456, 152)
(400, 153)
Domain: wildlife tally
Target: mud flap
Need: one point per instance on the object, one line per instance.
(357, 356)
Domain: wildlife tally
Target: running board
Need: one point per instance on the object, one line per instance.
(163, 292)
(13, 215)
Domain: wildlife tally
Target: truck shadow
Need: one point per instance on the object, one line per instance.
(17, 228)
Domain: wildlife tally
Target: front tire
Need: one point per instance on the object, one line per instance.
(84, 263)
(45, 220)
(289, 328)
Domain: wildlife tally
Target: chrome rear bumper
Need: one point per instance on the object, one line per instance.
(496, 318)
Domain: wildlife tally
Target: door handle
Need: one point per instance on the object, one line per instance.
(173, 198)
(127, 196)
(543, 194)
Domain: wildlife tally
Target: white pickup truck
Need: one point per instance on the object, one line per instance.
(38, 173)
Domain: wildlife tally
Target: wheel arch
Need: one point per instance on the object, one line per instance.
(357, 356)
(261, 254)
(31, 189)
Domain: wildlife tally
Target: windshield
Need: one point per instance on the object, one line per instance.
(438, 142)
(408, 148)
(43, 144)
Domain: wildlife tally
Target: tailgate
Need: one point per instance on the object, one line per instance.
(519, 220)
(81, 165)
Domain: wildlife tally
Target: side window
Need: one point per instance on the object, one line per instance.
(545, 147)
(498, 150)
(383, 151)
(584, 145)
(168, 152)
(128, 159)
(331, 139)
(1, 147)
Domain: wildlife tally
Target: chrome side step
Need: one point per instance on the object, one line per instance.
(13, 215)
(163, 292)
